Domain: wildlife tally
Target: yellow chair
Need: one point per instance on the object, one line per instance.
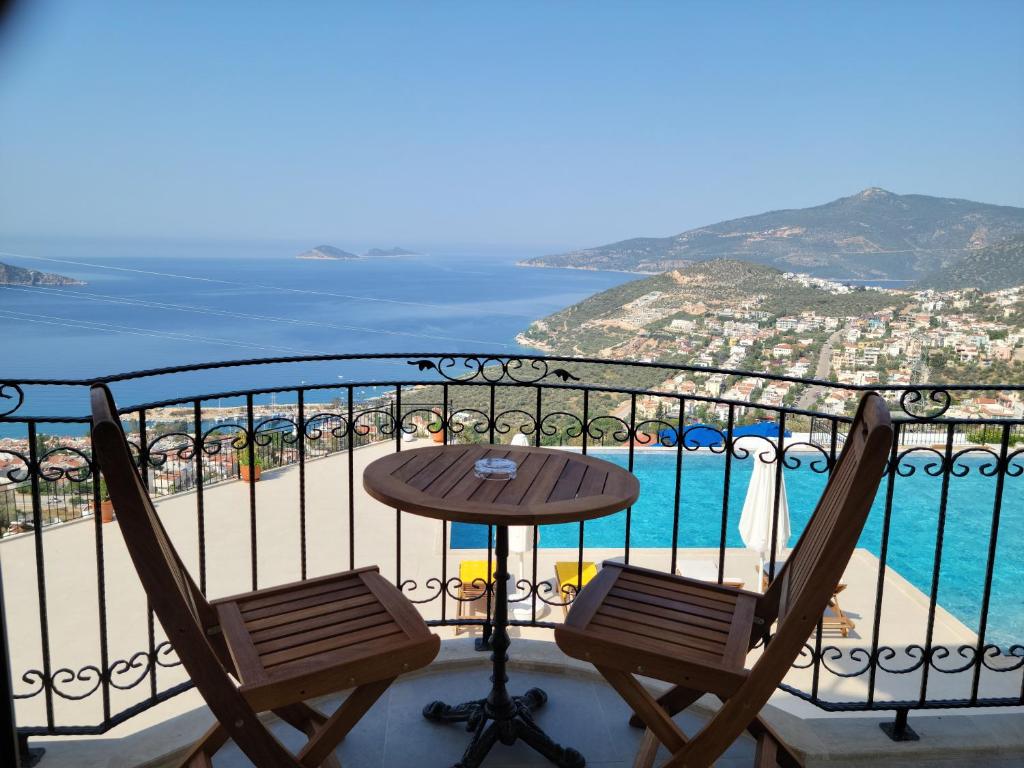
(473, 575)
(567, 576)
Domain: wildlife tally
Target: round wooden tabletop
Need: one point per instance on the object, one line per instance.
(550, 486)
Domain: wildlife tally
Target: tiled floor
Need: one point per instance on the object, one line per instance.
(581, 714)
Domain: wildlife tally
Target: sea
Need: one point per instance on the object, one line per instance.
(151, 304)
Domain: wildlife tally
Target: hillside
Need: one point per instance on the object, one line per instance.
(988, 269)
(11, 275)
(646, 307)
(328, 253)
(874, 234)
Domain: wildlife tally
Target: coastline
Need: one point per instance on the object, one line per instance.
(586, 269)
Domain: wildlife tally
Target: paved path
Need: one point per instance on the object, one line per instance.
(808, 398)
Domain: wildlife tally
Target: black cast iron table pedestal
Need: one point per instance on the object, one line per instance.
(501, 717)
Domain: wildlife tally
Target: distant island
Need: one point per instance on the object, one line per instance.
(11, 275)
(330, 253)
(872, 235)
(327, 253)
(378, 253)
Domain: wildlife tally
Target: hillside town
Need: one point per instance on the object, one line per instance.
(922, 336)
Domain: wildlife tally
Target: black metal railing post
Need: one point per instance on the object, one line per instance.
(9, 739)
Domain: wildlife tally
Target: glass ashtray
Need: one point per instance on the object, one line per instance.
(495, 469)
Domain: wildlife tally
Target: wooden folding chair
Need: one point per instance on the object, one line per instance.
(632, 621)
(268, 650)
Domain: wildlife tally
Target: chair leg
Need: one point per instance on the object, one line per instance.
(645, 705)
(672, 701)
(199, 756)
(647, 751)
(306, 719)
(327, 737)
(770, 745)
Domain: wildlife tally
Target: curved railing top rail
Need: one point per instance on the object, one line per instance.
(518, 369)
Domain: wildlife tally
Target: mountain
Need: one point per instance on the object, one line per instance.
(377, 253)
(11, 275)
(327, 252)
(602, 323)
(988, 269)
(872, 235)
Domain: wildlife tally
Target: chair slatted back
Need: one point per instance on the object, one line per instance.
(186, 616)
(800, 593)
(843, 507)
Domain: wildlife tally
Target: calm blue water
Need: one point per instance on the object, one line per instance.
(154, 304)
(912, 540)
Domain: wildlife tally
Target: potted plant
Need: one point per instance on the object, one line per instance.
(436, 429)
(243, 461)
(106, 505)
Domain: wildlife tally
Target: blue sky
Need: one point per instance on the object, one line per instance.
(533, 125)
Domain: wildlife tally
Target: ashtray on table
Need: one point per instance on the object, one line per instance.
(495, 469)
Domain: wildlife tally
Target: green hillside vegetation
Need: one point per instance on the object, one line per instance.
(587, 328)
(988, 269)
(874, 234)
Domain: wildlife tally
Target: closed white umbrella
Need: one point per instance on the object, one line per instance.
(759, 509)
(520, 541)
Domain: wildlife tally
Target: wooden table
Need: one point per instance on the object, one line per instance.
(550, 487)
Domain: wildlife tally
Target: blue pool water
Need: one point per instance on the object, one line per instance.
(913, 527)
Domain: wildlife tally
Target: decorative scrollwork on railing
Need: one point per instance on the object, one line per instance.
(665, 434)
(17, 474)
(767, 451)
(551, 424)
(382, 423)
(906, 469)
(494, 369)
(123, 674)
(269, 431)
(12, 396)
(334, 423)
(618, 430)
(1012, 467)
(916, 397)
(914, 652)
(692, 442)
(183, 448)
(821, 463)
(52, 470)
(216, 439)
(469, 417)
(505, 421)
(991, 652)
(988, 469)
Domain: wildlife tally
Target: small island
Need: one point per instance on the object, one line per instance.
(388, 253)
(327, 253)
(11, 275)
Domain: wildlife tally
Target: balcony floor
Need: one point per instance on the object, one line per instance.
(581, 713)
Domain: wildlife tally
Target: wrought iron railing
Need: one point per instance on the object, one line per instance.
(187, 446)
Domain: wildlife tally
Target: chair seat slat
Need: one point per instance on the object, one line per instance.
(656, 611)
(306, 613)
(674, 603)
(326, 619)
(319, 647)
(341, 593)
(668, 625)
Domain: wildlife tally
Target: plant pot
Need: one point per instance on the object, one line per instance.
(437, 437)
(243, 470)
(107, 511)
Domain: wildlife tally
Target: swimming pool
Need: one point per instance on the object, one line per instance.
(913, 527)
